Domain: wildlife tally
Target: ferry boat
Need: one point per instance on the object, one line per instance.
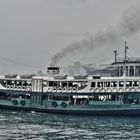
(118, 95)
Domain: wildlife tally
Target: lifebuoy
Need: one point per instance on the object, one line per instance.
(127, 90)
(14, 102)
(49, 89)
(11, 87)
(114, 90)
(102, 90)
(23, 88)
(91, 89)
(121, 90)
(74, 89)
(63, 104)
(109, 90)
(54, 89)
(64, 89)
(132, 89)
(138, 89)
(70, 89)
(28, 88)
(22, 102)
(97, 90)
(15, 88)
(54, 104)
(59, 89)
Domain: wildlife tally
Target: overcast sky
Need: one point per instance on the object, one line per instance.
(32, 32)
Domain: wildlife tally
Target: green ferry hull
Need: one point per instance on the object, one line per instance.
(37, 104)
(111, 112)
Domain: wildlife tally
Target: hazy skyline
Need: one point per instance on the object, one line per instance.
(33, 31)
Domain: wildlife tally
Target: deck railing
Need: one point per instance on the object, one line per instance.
(130, 59)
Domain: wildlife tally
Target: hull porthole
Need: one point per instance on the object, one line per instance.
(22, 102)
(14, 102)
(63, 104)
(54, 104)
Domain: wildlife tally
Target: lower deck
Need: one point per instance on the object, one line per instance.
(95, 104)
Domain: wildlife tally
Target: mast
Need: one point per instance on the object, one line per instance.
(115, 52)
(126, 48)
(125, 59)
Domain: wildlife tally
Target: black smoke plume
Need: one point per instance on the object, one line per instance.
(128, 26)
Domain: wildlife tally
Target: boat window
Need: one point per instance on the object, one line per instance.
(121, 84)
(54, 84)
(76, 84)
(117, 71)
(24, 83)
(93, 84)
(70, 84)
(3, 95)
(18, 83)
(28, 96)
(113, 72)
(44, 97)
(135, 83)
(28, 83)
(137, 71)
(100, 84)
(121, 71)
(18, 95)
(131, 71)
(9, 82)
(50, 83)
(128, 83)
(3, 82)
(44, 83)
(126, 70)
(106, 84)
(64, 84)
(59, 98)
(50, 97)
(80, 84)
(114, 84)
(96, 77)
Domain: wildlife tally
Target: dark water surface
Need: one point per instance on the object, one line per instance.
(39, 126)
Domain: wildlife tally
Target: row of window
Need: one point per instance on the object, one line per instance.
(19, 83)
(66, 84)
(130, 71)
(116, 84)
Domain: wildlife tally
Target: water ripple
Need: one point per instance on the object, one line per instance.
(39, 126)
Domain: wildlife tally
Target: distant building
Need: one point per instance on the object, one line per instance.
(79, 69)
(76, 69)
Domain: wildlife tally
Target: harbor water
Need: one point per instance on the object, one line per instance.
(41, 126)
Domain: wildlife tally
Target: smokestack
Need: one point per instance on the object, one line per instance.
(53, 70)
(129, 25)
